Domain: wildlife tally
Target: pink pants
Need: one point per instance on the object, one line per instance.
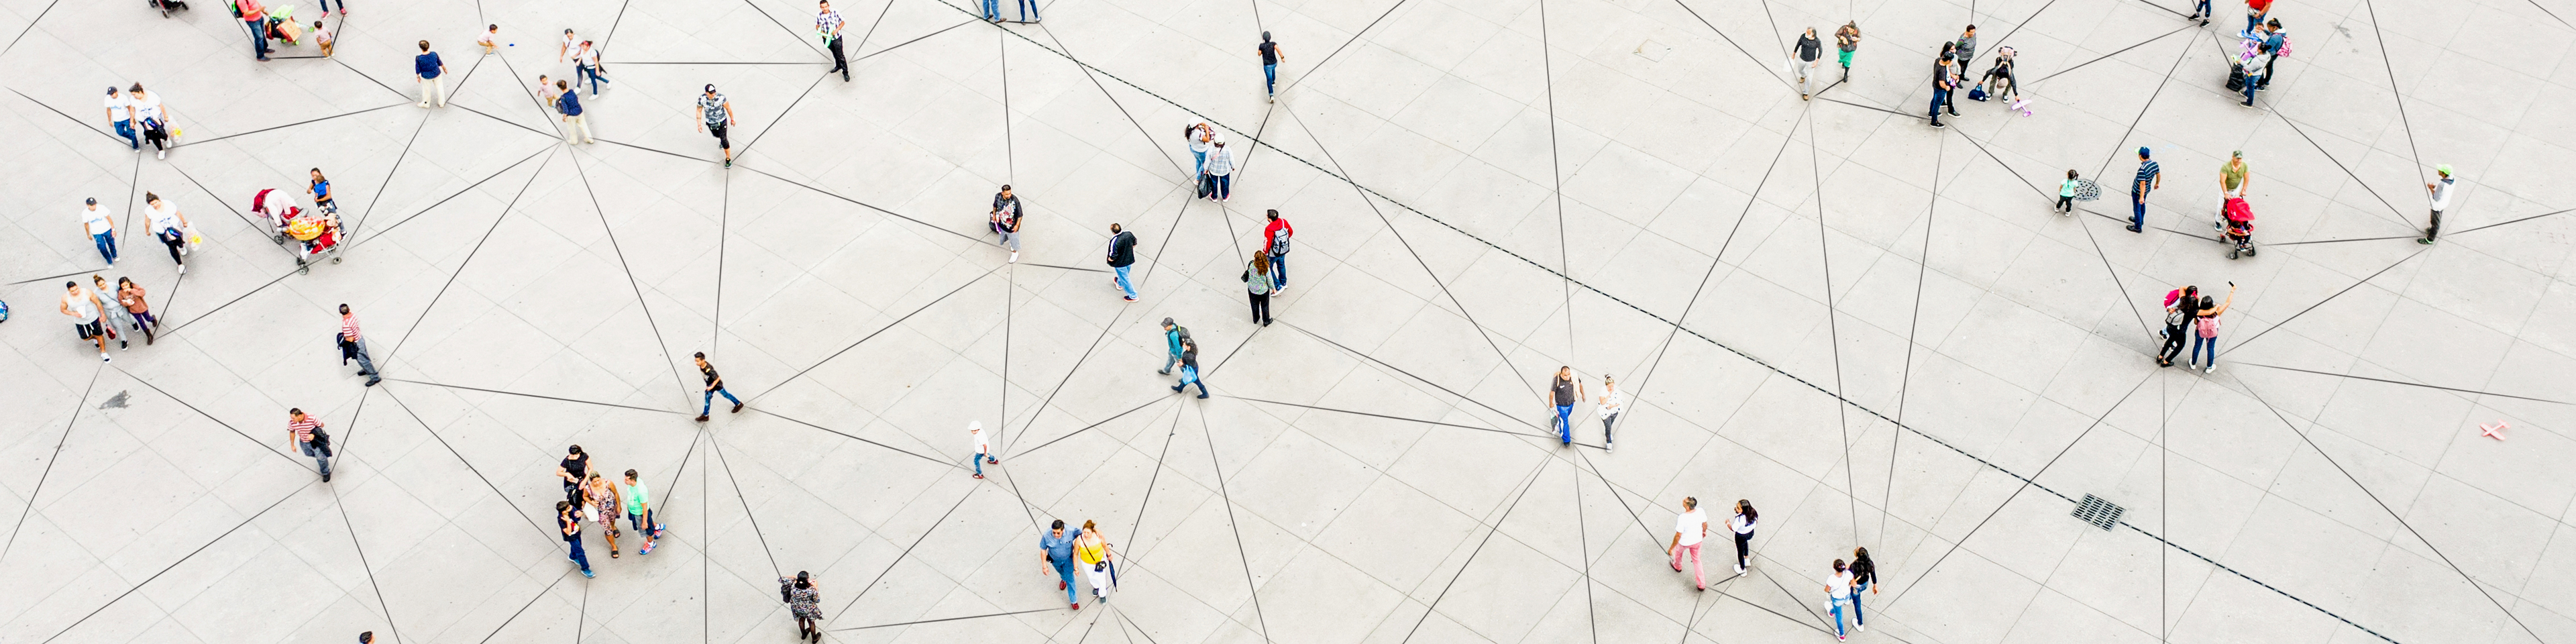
(1697, 575)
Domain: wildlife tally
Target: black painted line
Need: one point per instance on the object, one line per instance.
(2122, 50)
(715, 446)
(514, 393)
(872, 335)
(263, 445)
(459, 193)
(640, 303)
(2402, 382)
(504, 215)
(943, 619)
(280, 127)
(1245, 556)
(48, 472)
(2286, 321)
(183, 559)
(1528, 480)
(856, 438)
(523, 608)
(469, 466)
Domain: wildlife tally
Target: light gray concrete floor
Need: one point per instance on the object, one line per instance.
(1483, 191)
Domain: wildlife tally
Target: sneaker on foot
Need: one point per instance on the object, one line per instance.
(702, 418)
(1202, 395)
(102, 357)
(1131, 299)
(2424, 241)
(587, 574)
(1077, 606)
(158, 154)
(1015, 257)
(737, 408)
(2210, 369)
(979, 476)
(326, 477)
(183, 269)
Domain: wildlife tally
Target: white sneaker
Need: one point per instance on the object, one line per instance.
(161, 154)
(102, 357)
(1015, 257)
(1861, 627)
(2211, 369)
(183, 269)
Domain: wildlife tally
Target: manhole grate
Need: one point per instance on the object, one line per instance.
(2102, 514)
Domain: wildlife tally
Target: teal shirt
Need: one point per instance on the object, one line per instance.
(2066, 189)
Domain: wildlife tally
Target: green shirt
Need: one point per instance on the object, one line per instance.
(2231, 175)
(2066, 189)
(636, 496)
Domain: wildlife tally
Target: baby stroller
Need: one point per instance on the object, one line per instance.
(278, 208)
(2240, 229)
(167, 6)
(319, 237)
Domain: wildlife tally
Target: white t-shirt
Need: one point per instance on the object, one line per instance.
(1692, 525)
(1842, 584)
(147, 105)
(1740, 524)
(1613, 403)
(94, 220)
(164, 217)
(119, 107)
(485, 39)
(82, 307)
(983, 445)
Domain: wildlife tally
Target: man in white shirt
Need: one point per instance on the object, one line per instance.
(983, 447)
(84, 309)
(2441, 192)
(1688, 531)
(101, 227)
(120, 110)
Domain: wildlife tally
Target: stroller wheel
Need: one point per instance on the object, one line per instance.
(335, 259)
(2249, 250)
(2231, 254)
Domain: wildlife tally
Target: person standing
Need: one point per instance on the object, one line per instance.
(2199, 11)
(83, 308)
(344, 8)
(1256, 282)
(1742, 524)
(639, 512)
(320, 188)
(2205, 326)
(490, 33)
(1562, 392)
(1967, 47)
(255, 17)
(2441, 194)
(804, 602)
(2279, 39)
(2150, 177)
(983, 447)
(1810, 52)
(599, 498)
(546, 90)
(1838, 589)
(306, 434)
(101, 226)
(353, 347)
(428, 68)
(1846, 43)
(1057, 550)
(715, 113)
(1202, 139)
(1270, 57)
(1028, 11)
(120, 113)
(827, 23)
(2233, 179)
(1688, 531)
(154, 118)
(1189, 368)
(1093, 551)
(1276, 234)
(169, 226)
(1219, 172)
(2255, 10)
(993, 11)
(1122, 254)
(573, 470)
(1005, 219)
(2066, 194)
(1175, 335)
(1612, 402)
(715, 385)
(115, 316)
(2181, 305)
(568, 521)
(586, 65)
(130, 296)
(1941, 83)
(1864, 577)
(2255, 65)
(565, 48)
(576, 128)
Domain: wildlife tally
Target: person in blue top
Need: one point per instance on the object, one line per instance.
(576, 130)
(2150, 177)
(428, 69)
(321, 191)
(1057, 548)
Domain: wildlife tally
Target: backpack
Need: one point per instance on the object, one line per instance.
(2207, 325)
(2176, 317)
(321, 439)
(1279, 242)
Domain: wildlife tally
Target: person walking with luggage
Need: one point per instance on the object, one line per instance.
(1256, 281)
(1270, 57)
(1275, 237)
(1942, 83)
(2441, 195)
(1688, 531)
(120, 114)
(1846, 43)
(428, 69)
(1056, 548)
(1092, 550)
(2205, 326)
(1190, 368)
(1864, 578)
(715, 113)
(1175, 335)
(2150, 177)
(130, 296)
(85, 310)
(827, 23)
(1562, 392)
(153, 117)
(639, 512)
(1838, 591)
(1612, 402)
(1742, 525)
(1810, 51)
(2181, 305)
(1219, 172)
(115, 316)
(353, 347)
(804, 602)
(169, 226)
(983, 447)
(254, 16)
(1122, 254)
(568, 522)
(1005, 219)
(715, 385)
(100, 224)
(585, 62)
(568, 102)
(305, 433)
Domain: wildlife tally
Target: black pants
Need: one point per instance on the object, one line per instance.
(1260, 308)
(2066, 204)
(1743, 549)
(721, 141)
(2267, 72)
(2436, 229)
(159, 136)
(2175, 334)
(839, 63)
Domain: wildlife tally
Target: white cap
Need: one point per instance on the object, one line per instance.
(974, 425)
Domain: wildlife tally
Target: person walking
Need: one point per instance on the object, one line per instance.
(1864, 578)
(715, 113)
(120, 113)
(993, 11)
(1742, 525)
(1942, 83)
(1093, 551)
(320, 188)
(1688, 531)
(586, 65)
(169, 226)
(983, 447)
(84, 308)
(1005, 219)
(827, 23)
(1846, 43)
(1219, 172)
(2233, 179)
(2441, 195)
(1122, 254)
(1270, 57)
(1028, 11)
(1275, 237)
(715, 385)
(2150, 177)
(2205, 326)
(428, 69)
(2199, 11)
(1175, 335)
(804, 602)
(1612, 402)
(1256, 281)
(574, 469)
(568, 522)
(101, 226)
(130, 296)
(576, 128)
(305, 433)
(2066, 194)
(1810, 51)
(323, 38)
(565, 48)
(2181, 305)
(153, 117)
(255, 17)
(115, 316)
(1189, 368)
(1838, 590)
(1202, 139)
(1562, 392)
(1057, 550)
(600, 499)
(490, 34)
(639, 512)
(353, 347)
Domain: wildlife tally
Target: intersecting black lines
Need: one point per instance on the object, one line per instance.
(280, 127)
(1913, 323)
(907, 552)
(1231, 523)
(68, 423)
(1730, 41)
(1122, 109)
(83, 124)
(31, 26)
(1556, 174)
(831, 194)
(782, 383)
(791, 33)
(354, 543)
(1356, 412)
(442, 200)
(857, 438)
(2393, 93)
(497, 218)
(2100, 58)
(943, 619)
(1346, 43)
(2402, 382)
(715, 447)
(538, 396)
(263, 445)
(1001, 442)
(469, 466)
(129, 591)
(1527, 481)
(2133, 189)
(1833, 323)
(379, 195)
(2286, 321)
(641, 303)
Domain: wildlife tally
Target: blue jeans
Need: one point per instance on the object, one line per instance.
(106, 242)
(321, 455)
(578, 556)
(258, 37)
(1565, 423)
(992, 9)
(1839, 603)
(1857, 617)
(1278, 271)
(642, 523)
(979, 463)
(1219, 186)
(586, 71)
(326, 5)
(1939, 96)
(1029, 10)
(2137, 209)
(1064, 571)
(1123, 283)
(1190, 375)
(125, 129)
(2201, 9)
(1198, 160)
(1270, 78)
(709, 404)
(2198, 343)
(2252, 82)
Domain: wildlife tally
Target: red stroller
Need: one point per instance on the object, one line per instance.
(2240, 228)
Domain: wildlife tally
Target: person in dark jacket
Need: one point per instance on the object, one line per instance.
(1190, 368)
(1122, 254)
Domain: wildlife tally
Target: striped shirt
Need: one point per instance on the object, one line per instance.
(1220, 162)
(2147, 172)
(828, 23)
(349, 328)
(303, 429)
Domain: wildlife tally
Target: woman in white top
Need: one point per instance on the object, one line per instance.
(1742, 524)
(1688, 531)
(1219, 171)
(1839, 588)
(153, 119)
(169, 226)
(1202, 138)
(1612, 402)
(586, 63)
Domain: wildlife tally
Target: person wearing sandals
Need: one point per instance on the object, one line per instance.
(599, 498)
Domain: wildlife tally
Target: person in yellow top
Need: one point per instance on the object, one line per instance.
(1093, 550)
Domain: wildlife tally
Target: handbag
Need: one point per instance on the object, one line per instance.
(1977, 93)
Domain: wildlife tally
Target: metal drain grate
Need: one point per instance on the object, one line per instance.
(2102, 514)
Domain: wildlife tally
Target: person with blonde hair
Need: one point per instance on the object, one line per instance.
(1093, 551)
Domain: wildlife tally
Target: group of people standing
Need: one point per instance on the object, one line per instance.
(588, 496)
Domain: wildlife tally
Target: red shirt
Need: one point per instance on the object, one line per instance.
(303, 428)
(251, 10)
(2259, 5)
(1270, 234)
